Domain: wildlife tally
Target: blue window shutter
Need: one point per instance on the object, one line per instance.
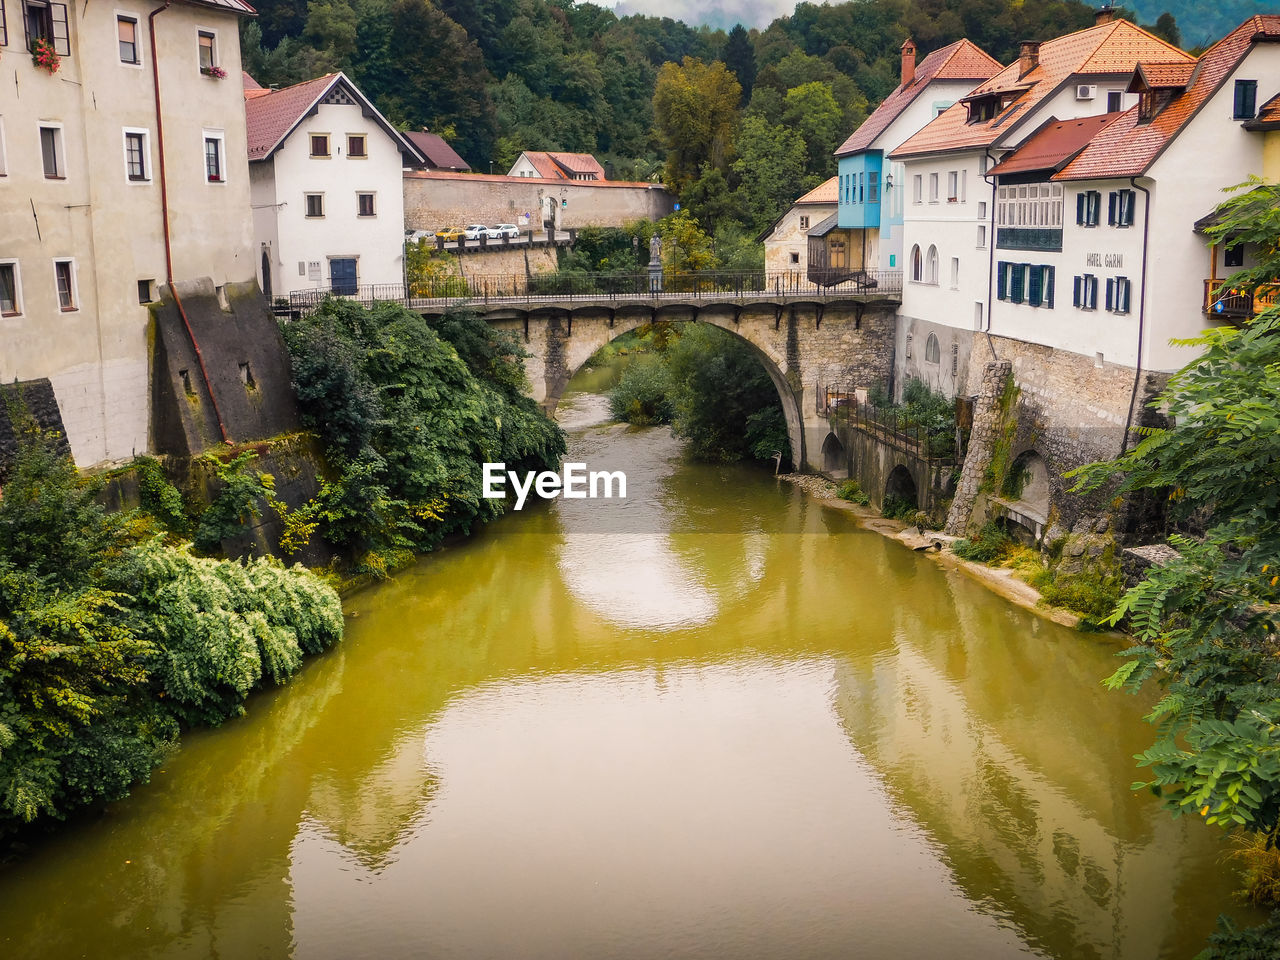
(1034, 285)
(1015, 293)
(1111, 207)
(1091, 290)
(1080, 207)
(1111, 293)
(1048, 286)
(1002, 277)
(1076, 294)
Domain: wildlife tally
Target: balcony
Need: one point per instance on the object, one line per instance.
(1029, 238)
(1238, 304)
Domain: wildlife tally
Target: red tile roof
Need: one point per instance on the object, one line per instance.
(563, 166)
(1127, 148)
(506, 178)
(1053, 145)
(439, 154)
(235, 6)
(1106, 48)
(1268, 117)
(270, 118)
(961, 60)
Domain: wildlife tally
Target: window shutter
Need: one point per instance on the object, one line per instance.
(1123, 289)
(1091, 290)
(61, 29)
(1130, 206)
(1048, 286)
(1081, 199)
(1111, 207)
(1002, 279)
(1035, 285)
(1076, 298)
(1111, 293)
(4, 25)
(1019, 275)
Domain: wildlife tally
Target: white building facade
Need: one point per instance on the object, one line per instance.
(326, 173)
(85, 243)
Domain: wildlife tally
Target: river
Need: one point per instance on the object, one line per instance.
(715, 719)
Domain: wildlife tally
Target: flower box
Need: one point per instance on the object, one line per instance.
(217, 73)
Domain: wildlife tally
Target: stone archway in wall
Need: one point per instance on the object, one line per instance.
(900, 485)
(835, 459)
(589, 336)
(1028, 483)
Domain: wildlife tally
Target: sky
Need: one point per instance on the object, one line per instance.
(716, 13)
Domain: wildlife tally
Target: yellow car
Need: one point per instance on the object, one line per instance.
(450, 233)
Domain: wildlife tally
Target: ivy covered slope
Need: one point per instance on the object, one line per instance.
(112, 640)
(409, 413)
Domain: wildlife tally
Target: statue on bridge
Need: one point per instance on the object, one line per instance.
(655, 264)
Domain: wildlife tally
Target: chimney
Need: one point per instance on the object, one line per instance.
(1104, 14)
(908, 61)
(1028, 57)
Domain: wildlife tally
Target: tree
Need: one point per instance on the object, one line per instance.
(740, 58)
(695, 110)
(771, 166)
(812, 112)
(1207, 621)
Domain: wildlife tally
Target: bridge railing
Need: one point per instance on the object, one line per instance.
(580, 286)
(891, 425)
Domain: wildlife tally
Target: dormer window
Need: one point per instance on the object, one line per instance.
(988, 106)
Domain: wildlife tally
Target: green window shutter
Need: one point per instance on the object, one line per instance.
(1015, 293)
(1077, 292)
(1111, 293)
(1081, 201)
(1002, 278)
(1048, 286)
(1112, 199)
(1034, 285)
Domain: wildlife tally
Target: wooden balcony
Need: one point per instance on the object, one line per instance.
(1238, 304)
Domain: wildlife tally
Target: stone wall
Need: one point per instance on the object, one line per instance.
(34, 398)
(435, 199)
(508, 261)
(988, 416)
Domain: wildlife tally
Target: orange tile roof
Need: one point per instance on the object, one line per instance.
(505, 178)
(1163, 76)
(1268, 117)
(826, 192)
(1106, 48)
(1127, 148)
(962, 60)
(1053, 145)
(562, 166)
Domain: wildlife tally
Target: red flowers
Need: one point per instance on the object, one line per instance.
(44, 56)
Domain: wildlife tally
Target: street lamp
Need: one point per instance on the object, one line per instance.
(888, 181)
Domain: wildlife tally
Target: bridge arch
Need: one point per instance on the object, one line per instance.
(590, 332)
(901, 485)
(835, 458)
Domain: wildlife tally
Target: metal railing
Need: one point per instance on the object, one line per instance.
(892, 426)
(521, 289)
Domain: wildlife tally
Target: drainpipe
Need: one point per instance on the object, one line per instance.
(991, 253)
(1142, 312)
(164, 216)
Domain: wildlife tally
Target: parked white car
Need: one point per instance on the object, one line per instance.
(504, 230)
(475, 231)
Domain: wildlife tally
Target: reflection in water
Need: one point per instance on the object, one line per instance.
(765, 734)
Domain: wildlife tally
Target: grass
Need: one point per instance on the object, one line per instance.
(852, 491)
(1259, 869)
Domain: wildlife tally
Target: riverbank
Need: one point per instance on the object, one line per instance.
(933, 544)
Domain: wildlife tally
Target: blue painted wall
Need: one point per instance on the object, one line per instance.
(861, 186)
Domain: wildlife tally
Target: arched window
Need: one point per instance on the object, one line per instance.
(931, 265)
(917, 271)
(932, 354)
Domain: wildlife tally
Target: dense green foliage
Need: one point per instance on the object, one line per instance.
(1206, 622)
(110, 639)
(409, 414)
(989, 545)
(851, 490)
(712, 387)
(1230, 942)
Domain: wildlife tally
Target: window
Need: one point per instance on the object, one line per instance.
(146, 291)
(910, 338)
(43, 20)
(982, 236)
(1233, 256)
(1088, 208)
(932, 354)
(1029, 205)
(51, 153)
(1029, 283)
(931, 265)
(357, 145)
(1120, 206)
(1040, 279)
(873, 187)
(136, 158)
(795, 257)
(804, 223)
(64, 275)
(213, 159)
(10, 294)
(364, 205)
(953, 186)
(916, 188)
(982, 209)
(1118, 293)
(315, 205)
(1246, 105)
(1115, 100)
(917, 264)
(127, 29)
(319, 144)
(933, 188)
(1085, 292)
(208, 43)
(955, 273)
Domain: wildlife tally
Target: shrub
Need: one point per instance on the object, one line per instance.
(1229, 942)
(852, 491)
(640, 398)
(1093, 594)
(990, 546)
(1259, 863)
(898, 508)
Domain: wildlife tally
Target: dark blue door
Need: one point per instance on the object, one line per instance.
(342, 276)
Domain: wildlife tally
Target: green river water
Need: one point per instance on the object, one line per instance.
(714, 720)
